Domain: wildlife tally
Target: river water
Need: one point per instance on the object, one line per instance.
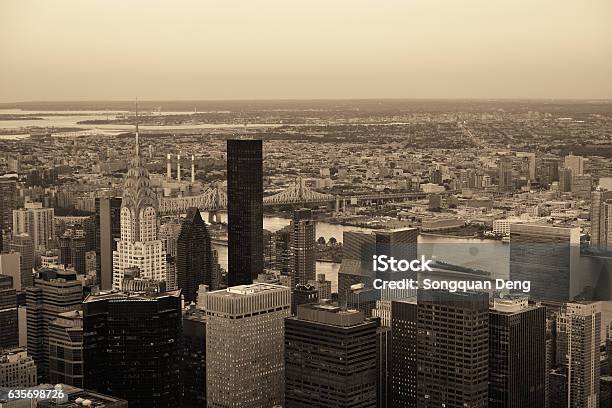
(487, 255)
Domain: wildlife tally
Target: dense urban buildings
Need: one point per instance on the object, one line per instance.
(194, 263)
(132, 347)
(245, 345)
(245, 210)
(482, 196)
(330, 358)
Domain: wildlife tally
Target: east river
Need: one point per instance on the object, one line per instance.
(486, 255)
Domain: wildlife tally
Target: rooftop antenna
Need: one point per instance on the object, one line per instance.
(137, 137)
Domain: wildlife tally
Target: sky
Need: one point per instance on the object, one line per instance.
(284, 49)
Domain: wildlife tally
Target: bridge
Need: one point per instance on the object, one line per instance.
(215, 199)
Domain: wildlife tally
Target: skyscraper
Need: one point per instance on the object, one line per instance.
(37, 222)
(132, 347)
(601, 219)
(22, 243)
(452, 349)
(193, 363)
(245, 345)
(505, 176)
(193, 255)
(244, 210)
(575, 163)
(66, 349)
(404, 353)
(330, 358)
(139, 245)
(303, 246)
(578, 339)
(8, 195)
(9, 326)
(108, 231)
(72, 249)
(356, 267)
(55, 291)
(547, 256)
(517, 354)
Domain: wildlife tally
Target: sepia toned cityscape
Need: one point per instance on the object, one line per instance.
(329, 205)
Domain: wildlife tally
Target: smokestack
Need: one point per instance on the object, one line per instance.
(169, 167)
(192, 168)
(178, 167)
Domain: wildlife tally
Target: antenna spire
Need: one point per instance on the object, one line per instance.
(137, 138)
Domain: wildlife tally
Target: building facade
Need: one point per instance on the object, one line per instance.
(244, 210)
(245, 345)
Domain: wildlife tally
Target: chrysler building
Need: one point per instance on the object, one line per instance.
(139, 246)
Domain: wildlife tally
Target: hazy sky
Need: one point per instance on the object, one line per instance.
(228, 49)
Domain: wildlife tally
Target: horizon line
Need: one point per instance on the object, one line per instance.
(489, 99)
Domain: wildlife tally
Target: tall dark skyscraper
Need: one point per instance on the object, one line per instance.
(132, 347)
(8, 194)
(517, 354)
(404, 353)
(303, 247)
(193, 255)
(330, 358)
(452, 349)
(108, 230)
(244, 210)
(193, 364)
(9, 328)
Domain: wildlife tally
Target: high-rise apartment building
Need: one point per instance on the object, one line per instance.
(139, 246)
(55, 291)
(581, 186)
(548, 256)
(132, 347)
(566, 176)
(245, 345)
(37, 222)
(244, 210)
(330, 358)
(517, 354)
(303, 247)
(578, 339)
(452, 349)
(66, 349)
(193, 255)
